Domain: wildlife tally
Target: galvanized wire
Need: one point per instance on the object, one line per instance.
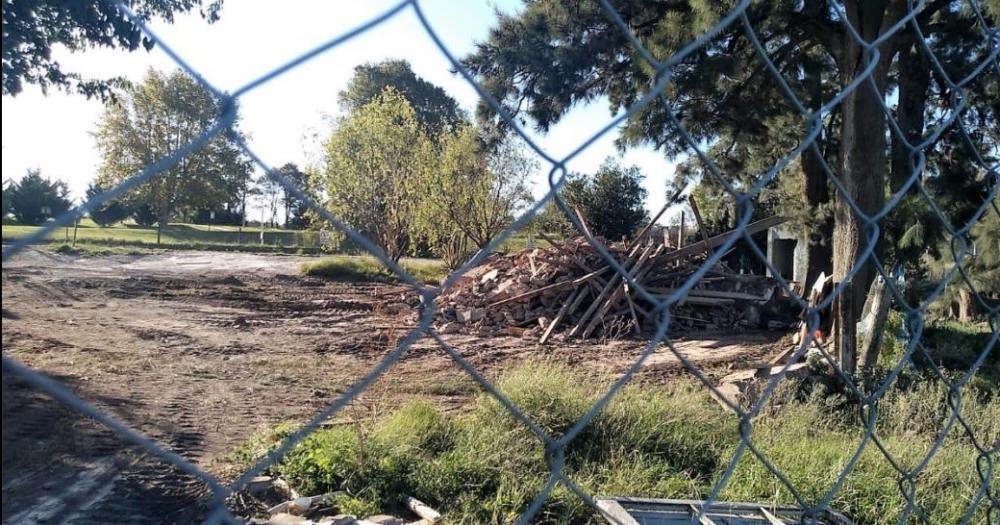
(555, 447)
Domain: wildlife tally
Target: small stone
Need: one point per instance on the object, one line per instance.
(385, 519)
(339, 519)
(397, 308)
(288, 519)
(450, 328)
(300, 506)
(259, 485)
(489, 276)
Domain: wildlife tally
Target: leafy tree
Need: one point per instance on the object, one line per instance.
(151, 121)
(612, 200)
(110, 212)
(144, 215)
(5, 209)
(473, 193)
(31, 28)
(35, 199)
(295, 209)
(269, 194)
(375, 161)
(435, 109)
(557, 53)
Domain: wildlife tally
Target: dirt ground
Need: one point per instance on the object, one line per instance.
(202, 350)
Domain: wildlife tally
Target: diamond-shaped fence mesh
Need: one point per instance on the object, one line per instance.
(866, 42)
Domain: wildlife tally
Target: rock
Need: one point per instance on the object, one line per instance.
(339, 519)
(283, 518)
(515, 331)
(776, 325)
(285, 489)
(490, 275)
(471, 315)
(260, 485)
(300, 506)
(385, 519)
(397, 308)
(450, 328)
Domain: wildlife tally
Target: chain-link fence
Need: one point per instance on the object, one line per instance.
(856, 259)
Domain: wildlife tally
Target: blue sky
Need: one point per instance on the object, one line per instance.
(287, 118)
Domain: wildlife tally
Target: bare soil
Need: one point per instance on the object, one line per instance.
(202, 350)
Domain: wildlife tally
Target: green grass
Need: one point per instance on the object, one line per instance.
(368, 268)
(174, 235)
(482, 466)
(93, 250)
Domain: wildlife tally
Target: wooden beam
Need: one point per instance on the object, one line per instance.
(719, 240)
(701, 226)
(573, 299)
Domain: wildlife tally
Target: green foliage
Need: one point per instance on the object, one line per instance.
(33, 27)
(144, 215)
(472, 194)
(483, 466)
(367, 268)
(375, 161)
(613, 200)
(35, 199)
(151, 121)
(435, 109)
(111, 212)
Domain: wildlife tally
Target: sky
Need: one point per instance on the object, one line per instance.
(287, 118)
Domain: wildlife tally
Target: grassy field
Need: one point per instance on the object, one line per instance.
(367, 268)
(480, 465)
(173, 234)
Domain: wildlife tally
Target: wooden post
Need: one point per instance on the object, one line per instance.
(680, 232)
(701, 226)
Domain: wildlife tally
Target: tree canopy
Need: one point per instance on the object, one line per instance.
(31, 28)
(156, 118)
(35, 199)
(375, 160)
(434, 107)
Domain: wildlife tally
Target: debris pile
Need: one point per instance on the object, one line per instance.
(569, 289)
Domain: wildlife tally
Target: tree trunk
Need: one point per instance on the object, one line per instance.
(964, 305)
(159, 231)
(819, 253)
(914, 79)
(862, 169)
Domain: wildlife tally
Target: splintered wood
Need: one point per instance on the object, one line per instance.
(570, 291)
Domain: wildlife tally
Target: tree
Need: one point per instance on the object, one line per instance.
(151, 121)
(435, 109)
(473, 193)
(557, 53)
(144, 215)
(269, 193)
(612, 200)
(375, 161)
(35, 199)
(295, 208)
(31, 28)
(111, 212)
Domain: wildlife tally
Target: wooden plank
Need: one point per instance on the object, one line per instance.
(649, 225)
(719, 240)
(771, 518)
(572, 299)
(694, 292)
(583, 222)
(615, 296)
(701, 226)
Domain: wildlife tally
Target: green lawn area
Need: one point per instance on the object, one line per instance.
(368, 268)
(175, 235)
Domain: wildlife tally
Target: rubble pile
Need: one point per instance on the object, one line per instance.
(571, 291)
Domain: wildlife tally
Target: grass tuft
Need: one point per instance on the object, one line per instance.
(367, 268)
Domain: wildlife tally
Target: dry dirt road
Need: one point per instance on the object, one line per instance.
(201, 350)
